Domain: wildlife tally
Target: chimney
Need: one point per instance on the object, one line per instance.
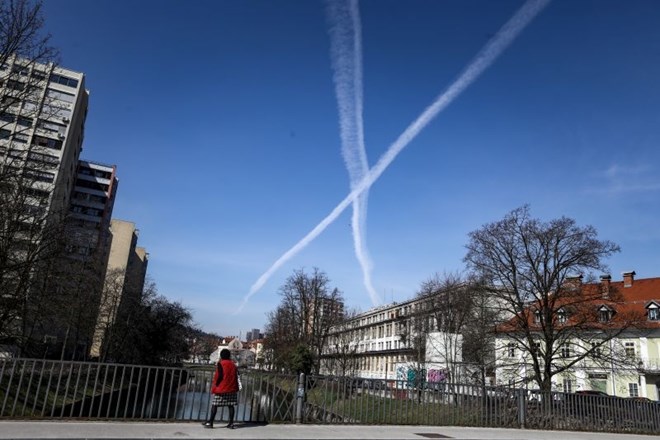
(628, 278)
(573, 282)
(605, 285)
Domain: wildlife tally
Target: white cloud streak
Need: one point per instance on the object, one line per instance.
(346, 55)
(477, 66)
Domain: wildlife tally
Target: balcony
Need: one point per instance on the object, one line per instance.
(649, 365)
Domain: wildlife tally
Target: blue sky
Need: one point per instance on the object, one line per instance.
(222, 120)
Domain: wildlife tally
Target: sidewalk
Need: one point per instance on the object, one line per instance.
(190, 431)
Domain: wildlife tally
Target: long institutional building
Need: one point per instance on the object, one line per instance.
(42, 127)
(376, 341)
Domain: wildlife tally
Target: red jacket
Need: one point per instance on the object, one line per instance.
(225, 378)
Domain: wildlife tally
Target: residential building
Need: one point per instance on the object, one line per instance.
(626, 363)
(91, 208)
(42, 124)
(418, 336)
(371, 344)
(124, 279)
(257, 347)
(242, 356)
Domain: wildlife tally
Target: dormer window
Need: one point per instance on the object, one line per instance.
(562, 316)
(604, 314)
(653, 311)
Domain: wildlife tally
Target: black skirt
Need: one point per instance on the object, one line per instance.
(225, 399)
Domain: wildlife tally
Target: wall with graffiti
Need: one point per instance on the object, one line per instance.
(409, 375)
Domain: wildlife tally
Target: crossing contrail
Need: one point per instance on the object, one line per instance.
(346, 55)
(488, 54)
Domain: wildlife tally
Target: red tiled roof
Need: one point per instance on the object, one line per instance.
(628, 303)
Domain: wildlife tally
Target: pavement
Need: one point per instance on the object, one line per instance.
(194, 431)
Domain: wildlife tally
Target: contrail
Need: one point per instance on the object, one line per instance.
(346, 55)
(477, 66)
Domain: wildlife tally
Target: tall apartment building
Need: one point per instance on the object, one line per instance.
(123, 283)
(91, 208)
(42, 123)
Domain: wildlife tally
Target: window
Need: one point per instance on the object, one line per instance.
(537, 317)
(596, 351)
(630, 349)
(45, 142)
(37, 193)
(23, 121)
(65, 81)
(633, 389)
(46, 159)
(511, 350)
(39, 176)
(7, 117)
(66, 97)
(51, 127)
(568, 386)
(21, 70)
(8, 100)
(565, 351)
(561, 316)
(603, 315)
(653, 312)
(536, 347)
(15, 85)
(21, 137)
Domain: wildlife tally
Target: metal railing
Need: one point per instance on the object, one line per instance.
(649, 364)
(341, 400)
(32, 388)
(55, 389)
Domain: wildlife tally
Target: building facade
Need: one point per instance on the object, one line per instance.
(91, 208)
(371, 344)
(123, 282)
(42, 126)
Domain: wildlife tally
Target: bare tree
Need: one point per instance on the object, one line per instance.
(340, 355)
(309, 308)
(533, 268)
(30, 232)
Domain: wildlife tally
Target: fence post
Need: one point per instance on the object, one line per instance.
(522, 407)
(300, 398)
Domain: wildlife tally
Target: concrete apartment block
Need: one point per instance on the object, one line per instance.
(124, 279)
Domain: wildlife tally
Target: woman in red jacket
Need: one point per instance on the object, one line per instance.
(224, 388)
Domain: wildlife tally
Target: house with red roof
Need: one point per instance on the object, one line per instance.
(612, 341)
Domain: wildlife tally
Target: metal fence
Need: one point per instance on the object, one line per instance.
(32, 388)
(53, 389)
(372, 401)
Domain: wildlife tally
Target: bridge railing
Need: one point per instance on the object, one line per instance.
(45, 389)
(36, 388)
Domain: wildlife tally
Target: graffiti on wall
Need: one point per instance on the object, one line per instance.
(413, 376)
